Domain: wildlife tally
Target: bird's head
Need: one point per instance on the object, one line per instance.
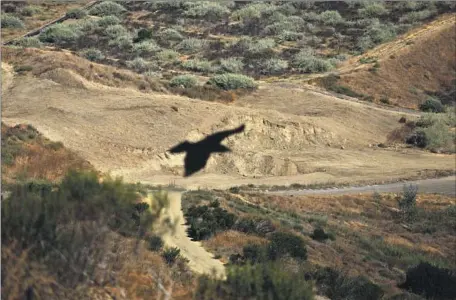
(182, 147)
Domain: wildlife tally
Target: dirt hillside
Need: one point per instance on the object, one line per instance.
(291, 135)
(402, 71)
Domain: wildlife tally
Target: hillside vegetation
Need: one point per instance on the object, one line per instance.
(256, 39)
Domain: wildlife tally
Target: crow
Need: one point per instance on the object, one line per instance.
(198, 153)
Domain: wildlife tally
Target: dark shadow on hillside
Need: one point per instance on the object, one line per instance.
(199, 153)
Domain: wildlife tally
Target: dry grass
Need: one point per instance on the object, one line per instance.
(230, 242)
(408, 70)
(371, 237)
(61, 65)
(38, 158)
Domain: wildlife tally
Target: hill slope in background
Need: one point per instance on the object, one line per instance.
(405, 71)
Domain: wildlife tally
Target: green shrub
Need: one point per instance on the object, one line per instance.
(145, 47)
(60, 34)
(210, 11)
(232, 81)
(438, 136)
(93, 54)
(115, 31)
(432, 105)
(331, 17)
(293, 23)
(287, 9)
(339, 286)
(289, 36)
(375, 34)
(187, 81)
(29, 42)
(273, 66)
(123, 43)
(22, 68)
(191, 45)
(76, 13)
(319, 235)
(30, 10)
(257, 47)
(430, 281)
(198, 65)
(108, 21)
(140, 65)
(253, 12)
(232, 64)
(282, 243)
(170, 34)
(107, 8)
(10, 21)
(255, 253)
(88, 26)
(259, 281)
(50, 218)
(305, 62)
(143, 34)
(407, 204)
(155, 243)
(170, 255)
(417, 16)
(206, 220)
(168, 56)
(371, 10)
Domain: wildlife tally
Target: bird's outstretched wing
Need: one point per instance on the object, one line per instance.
(182, 147)
(220, 136)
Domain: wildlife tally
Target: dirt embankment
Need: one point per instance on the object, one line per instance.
(403, 71)
(292, 135)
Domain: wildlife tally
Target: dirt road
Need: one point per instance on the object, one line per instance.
(200, 261)
(446, 185)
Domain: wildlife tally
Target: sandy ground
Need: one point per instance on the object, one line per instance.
(292, 135)
(200, 260)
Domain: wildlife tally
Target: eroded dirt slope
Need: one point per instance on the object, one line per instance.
(420, 61)
(291, 135)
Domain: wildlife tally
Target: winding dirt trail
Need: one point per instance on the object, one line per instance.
(200, 260)
(445, 185)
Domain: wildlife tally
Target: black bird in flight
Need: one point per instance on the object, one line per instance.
(199, 153)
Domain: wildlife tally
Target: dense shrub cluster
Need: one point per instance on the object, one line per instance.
(60, 34)
(30, 10)
(432, 105)
(206, 10)
(336, 285)
(187, 81)
(10, 21)
(93, 54)
(64, 225)
(107, 8)
(431, 282)
(433, 132)
(76, 13)
(232, 81)
(232, 65)
(198, 65)
(206, 220)
(306, 62)
(259, 281)
(145, 48)
(29, 42)
(280, 244)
